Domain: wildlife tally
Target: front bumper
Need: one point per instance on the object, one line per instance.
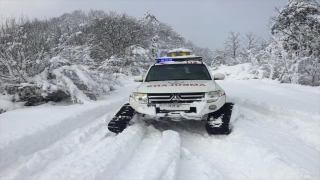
(197, 109)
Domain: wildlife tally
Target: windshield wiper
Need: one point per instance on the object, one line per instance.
(155, 80)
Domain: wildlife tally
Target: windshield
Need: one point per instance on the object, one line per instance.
(178, 72)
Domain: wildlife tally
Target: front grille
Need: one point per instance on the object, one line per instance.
(158, 98)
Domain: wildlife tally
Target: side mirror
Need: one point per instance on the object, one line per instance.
(137, 79)
(219, 76)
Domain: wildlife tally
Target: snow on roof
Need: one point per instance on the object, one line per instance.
(179, 50)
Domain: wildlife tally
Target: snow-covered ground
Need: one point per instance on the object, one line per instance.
(277, 136)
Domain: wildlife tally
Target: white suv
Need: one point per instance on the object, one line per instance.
(181, 87)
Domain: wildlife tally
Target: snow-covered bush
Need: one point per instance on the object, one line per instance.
(297, 28)
(80, 55)
(76, 76)
(9, 102)
(243, 71)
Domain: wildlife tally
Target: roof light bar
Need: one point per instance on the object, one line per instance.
(160, 60)
(174, 54)
(181, 58)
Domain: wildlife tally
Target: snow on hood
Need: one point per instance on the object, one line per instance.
(186, 86)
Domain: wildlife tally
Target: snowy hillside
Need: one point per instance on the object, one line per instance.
(277, 136)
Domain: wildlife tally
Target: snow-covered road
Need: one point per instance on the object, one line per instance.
(277, 136)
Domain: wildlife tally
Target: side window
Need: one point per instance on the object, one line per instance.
(150, 74)
(156, 74)
(205, 71)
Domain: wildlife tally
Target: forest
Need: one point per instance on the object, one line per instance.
(82, 55)
(291, 55)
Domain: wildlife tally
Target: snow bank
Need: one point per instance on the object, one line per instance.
(292, 96)
(293, 107)
(274, 137)
(25, 131)
(236, 72)
(71, 145)
(239, 72)
(242, 155)
(6, 103)
(305, 125)
(21, 138)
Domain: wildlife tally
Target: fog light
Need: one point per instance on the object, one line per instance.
(212, 107)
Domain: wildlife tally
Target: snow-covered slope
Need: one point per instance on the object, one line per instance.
(277, 136)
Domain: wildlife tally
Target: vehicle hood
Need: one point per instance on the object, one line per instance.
(181, 86)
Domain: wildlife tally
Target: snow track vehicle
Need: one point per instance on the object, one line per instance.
(178, 87)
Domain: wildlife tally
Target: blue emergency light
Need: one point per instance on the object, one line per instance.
(178, 58)
(160, 60)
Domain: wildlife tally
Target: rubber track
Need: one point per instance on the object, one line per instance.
(121, 120)
(225, 114)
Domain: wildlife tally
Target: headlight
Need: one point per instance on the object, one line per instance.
(140, 98)
(213, 96)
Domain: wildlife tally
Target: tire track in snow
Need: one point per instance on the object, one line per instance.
(292, 150)
(165, 163)
(35, 140)
(148, 153)
(100, 161)
(240, 156)
(24, 141)
(304, 125)
(92, 134)
(157, 157)
(279, 138)
(160, 156)
(195, 167)
(299, 130)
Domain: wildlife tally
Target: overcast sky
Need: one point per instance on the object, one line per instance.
(204, 22)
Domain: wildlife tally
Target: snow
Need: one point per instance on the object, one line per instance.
(293, 96)
(138, 50)
(151, 111)
(276, 136)
(237, 72)
(179, 50)
(6, 103)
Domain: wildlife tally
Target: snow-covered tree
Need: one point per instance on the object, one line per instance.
(219, 58)
(249, 47)
(233, 46)
(80, 55)
(293, 53)
(155, 47)
(297, 27)
(113, 34)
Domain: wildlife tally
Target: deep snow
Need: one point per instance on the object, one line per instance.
(277, 136)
